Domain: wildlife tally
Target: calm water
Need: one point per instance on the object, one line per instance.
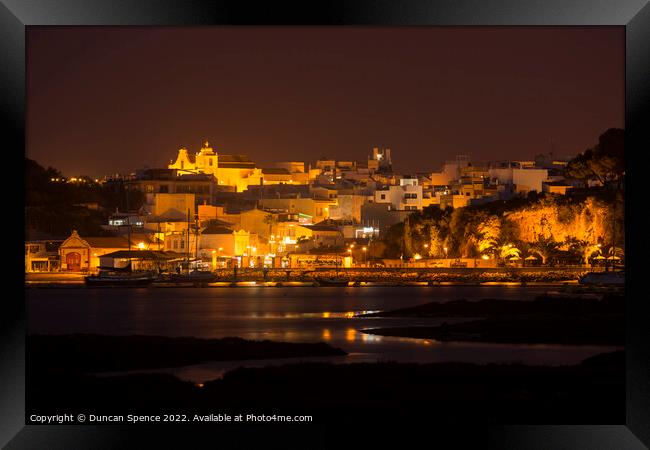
(292, 314)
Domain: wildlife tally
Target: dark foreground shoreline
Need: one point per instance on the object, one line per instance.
(592, 392)
(60, 378)
(104, 353)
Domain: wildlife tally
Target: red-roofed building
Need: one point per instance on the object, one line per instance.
(82, 254)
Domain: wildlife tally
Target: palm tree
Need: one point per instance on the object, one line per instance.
(508, 251)
(487, 245)
(271, 220)
(582, 248)
(545, 247)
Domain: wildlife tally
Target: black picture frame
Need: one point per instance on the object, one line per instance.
(634, 15)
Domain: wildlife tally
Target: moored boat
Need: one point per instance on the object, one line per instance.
(117, 279)
(604, 279)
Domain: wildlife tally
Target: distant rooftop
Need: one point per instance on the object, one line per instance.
(216, 229)
(276, 171)
(143, 254)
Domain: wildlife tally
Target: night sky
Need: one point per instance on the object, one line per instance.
(107, 100)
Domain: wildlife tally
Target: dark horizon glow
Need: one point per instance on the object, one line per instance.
(103, 100)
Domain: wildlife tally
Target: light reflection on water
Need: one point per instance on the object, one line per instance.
(285, 314)
(311, 315)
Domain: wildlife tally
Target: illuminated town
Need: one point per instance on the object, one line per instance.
(326, 224)
(210, 210)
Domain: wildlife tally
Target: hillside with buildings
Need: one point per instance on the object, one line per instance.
(221, 210)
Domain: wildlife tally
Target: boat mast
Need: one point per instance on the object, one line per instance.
(196, 239)
(187, 248)
(337, 265)
(128, 227)
(158, 238)
(618, 187)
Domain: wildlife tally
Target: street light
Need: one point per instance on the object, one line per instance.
(445, 249)
(364, 255)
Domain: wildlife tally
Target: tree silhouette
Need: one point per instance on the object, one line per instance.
(604, 162)
(271, 220)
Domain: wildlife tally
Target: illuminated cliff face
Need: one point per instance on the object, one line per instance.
(588, 221)
(539, 227)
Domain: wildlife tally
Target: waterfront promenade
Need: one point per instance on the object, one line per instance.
(356, 276)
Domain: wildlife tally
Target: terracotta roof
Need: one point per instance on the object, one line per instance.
(217, 229)
(218, 222)
(107, 242)
(143, 254)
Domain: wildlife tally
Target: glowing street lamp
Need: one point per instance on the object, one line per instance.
(445, 249)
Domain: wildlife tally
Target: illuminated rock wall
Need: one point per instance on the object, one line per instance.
(590, 221)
